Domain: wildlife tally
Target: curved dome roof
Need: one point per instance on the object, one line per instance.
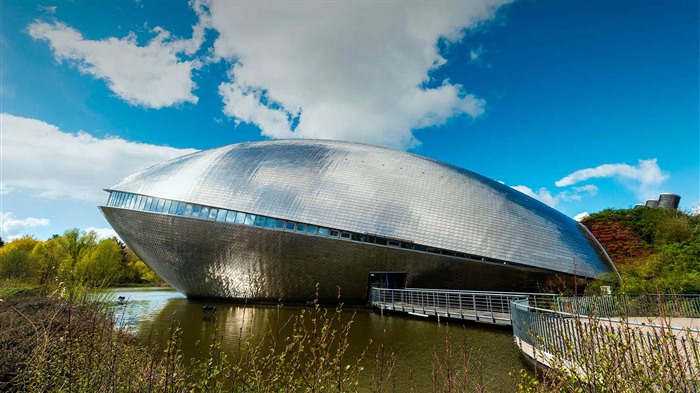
(370, 189)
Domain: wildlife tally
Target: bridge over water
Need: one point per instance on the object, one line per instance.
(571, 332)
(479, 306)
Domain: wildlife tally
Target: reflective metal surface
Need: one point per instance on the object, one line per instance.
(215, 259)
(356, 188)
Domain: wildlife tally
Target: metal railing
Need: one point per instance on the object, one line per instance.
(480, 306)
(576, 343)
(647, 305)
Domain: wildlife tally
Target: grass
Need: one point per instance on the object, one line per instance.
(52, 344)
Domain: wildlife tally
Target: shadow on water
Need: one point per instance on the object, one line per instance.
(414, 341)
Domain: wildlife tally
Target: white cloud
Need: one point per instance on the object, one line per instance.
(40, 159)
(581, 216)
(644, 179)
(343, 70)
(11, 227)
(47, 9)
(103, 233)
(545, 196)
(476, 54)
(4, 190)
(153, 76)
(589, 188)
(695, 209)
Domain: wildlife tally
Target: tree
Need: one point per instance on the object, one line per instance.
(77, 246)
(16, 261)
(49, 255)
(101, 265)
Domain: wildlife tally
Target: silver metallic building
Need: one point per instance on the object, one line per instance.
(269, 220)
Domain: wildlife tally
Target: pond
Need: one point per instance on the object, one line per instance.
(415, 341)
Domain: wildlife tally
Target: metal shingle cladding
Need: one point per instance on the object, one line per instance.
(369, 189)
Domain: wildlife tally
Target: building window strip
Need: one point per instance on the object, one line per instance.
(177, 208)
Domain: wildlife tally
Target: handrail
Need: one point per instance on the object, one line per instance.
(480, 306)
(575, 343)
(529, 308)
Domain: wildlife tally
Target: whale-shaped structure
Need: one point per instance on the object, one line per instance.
(268, 220)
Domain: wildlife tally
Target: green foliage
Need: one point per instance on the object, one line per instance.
(673, 267)
(16, 260)
(72, 260)
(100, 265)
(646, 221)
(49, 255)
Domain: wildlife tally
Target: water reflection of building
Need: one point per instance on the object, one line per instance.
(269, 220)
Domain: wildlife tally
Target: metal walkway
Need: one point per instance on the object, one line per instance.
(479, 306)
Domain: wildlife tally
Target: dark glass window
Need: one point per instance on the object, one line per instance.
(259, 221)
(355, 236)
(333, 232)
(269, 222)
(301, 227)
(323, 231)
(419, 247)
(279, 224)
(393, 243)
(345, 235)
(380, 240)
(406, 245)
(291, 225)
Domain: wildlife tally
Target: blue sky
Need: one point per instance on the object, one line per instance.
(584, 105)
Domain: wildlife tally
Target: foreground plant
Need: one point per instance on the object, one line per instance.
(596, 354)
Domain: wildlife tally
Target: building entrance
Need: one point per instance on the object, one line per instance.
(390, 280)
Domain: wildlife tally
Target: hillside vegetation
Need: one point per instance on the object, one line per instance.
(656, 250)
